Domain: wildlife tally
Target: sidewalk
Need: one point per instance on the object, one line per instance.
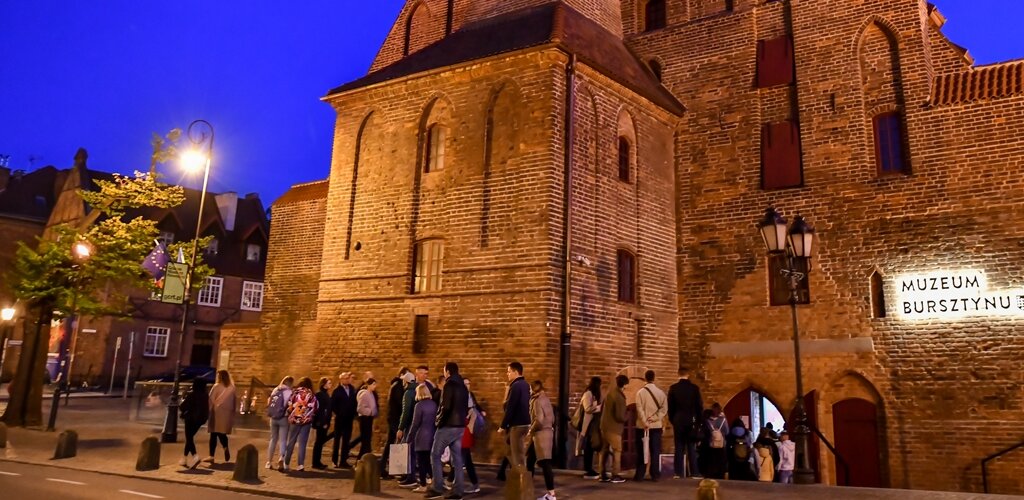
(109, 443)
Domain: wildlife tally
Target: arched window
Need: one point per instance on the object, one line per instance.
(655, 68)
(654, 15)
(435, 148)
(877, 295)
(624, 156)
(428, 258)
(627, 276)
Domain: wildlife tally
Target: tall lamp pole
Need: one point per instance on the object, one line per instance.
(795, 242)
(200, 134)
(81, 251)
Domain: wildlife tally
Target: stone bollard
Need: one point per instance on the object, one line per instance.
(67, 445)
(707, 490)
(518, 484)
(149, 455)
(3, 435)
(367, 475)
(247, 465)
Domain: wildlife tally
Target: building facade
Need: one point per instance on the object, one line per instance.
(498, 150)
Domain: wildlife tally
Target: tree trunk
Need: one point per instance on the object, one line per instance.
(25, 406)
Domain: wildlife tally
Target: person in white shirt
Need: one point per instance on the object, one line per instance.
(651, 409)
(787, 458)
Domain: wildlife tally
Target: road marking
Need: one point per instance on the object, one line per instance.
(65, 481)
(147, 495)
(2, 473)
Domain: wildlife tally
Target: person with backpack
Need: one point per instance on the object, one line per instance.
(301, 411)
(765, 465)
(277, 409)
(322, 422)
(740, 446)
(222, 413)
(195, 410)
(651, 408)
(366, 411)
(684, 409)
(588, 420)
(717, 429)
(343, 405)
(768, 439)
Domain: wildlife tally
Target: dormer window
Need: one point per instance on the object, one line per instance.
(252, 252)
(213, 247)
(166, 238)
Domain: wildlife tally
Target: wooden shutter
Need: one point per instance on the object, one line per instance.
(778, 285)
(627, 276)
(780, 156)
(775, 62)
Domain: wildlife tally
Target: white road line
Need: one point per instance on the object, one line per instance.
(2, 473)
(147, 495)
(65, 481)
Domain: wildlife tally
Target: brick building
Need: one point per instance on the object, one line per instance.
(441, 230)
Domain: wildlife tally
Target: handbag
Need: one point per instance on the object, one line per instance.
(577, 418)
(398, 459)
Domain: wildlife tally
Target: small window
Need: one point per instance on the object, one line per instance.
(166, 237)
(435, 148)
(780, 156)
(654, 15)
(627, 276)
(209, 294)
(156, 342)
(877, 295)
(429, 257)
(252, 252)
(624, 155)
(421, 329)
(778, 285)
(775, 62)
(889, 144)
(655, 68)
(212, 248)
(252, 295)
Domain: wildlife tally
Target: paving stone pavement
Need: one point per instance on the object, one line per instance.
(109, 443)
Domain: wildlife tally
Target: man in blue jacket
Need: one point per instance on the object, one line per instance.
(517, 414)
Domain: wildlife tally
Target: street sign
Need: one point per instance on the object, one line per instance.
(174, 283)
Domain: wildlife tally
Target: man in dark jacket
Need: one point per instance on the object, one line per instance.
(395, 394)
(451, 423)
(517, 414)
(322, 422)
(684, 410)
(343, 404)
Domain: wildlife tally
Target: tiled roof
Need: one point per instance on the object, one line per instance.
(979, 84)
(552, 24)
(32, 195)
(304, 192)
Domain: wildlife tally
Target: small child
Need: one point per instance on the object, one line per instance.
(787, 458)
(765, 465)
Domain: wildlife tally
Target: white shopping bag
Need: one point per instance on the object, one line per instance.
(647, 446)
(398, 459)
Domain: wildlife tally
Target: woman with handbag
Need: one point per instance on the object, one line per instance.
(222, 413)
(588, 418)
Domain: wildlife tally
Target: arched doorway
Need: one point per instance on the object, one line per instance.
(855, 423)
(755, 409)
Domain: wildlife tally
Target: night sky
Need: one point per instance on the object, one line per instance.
(106, 75)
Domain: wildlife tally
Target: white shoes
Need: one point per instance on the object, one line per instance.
(192, 461)
(300, 468)
(548, 496)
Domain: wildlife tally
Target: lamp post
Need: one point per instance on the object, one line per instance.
(81, 252)
(795, 242)
(6, 331)
(200, 134)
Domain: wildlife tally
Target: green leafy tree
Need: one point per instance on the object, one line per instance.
(50, 279)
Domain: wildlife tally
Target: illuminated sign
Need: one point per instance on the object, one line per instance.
(954, 294)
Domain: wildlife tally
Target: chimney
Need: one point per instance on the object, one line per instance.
(5, 176)
(81, 156)
(227, 204)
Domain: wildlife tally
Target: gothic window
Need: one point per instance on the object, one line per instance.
(624, 156)
(877, 296)
(627, 276)
(435, 148)
(888, 132)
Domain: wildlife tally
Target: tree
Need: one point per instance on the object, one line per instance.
(50, 280)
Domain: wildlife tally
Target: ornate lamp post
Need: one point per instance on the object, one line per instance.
(796, 243)
(200, 134)
(81, 252)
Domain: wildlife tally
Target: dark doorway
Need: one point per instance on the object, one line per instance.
(856, 429)
(755, 409)
(202, 348)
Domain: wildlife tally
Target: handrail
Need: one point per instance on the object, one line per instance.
(846, 466)
(986, 460)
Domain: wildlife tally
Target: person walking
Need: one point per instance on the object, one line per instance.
(787, 458)
(651, 408)
(322, 423)
(222, 414)
(195, 410)
(451, 424)
(542, 434)
(409, 403)
(421, 433)
(277, 412)
(474, 425)
(589, 440)
(301, 411)
(613, 419)
(684, 410)
(343, 405)
(716, 430)
(516, 422)
(366, 411)
(395, 393)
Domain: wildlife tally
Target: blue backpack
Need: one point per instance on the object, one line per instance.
(277, 405)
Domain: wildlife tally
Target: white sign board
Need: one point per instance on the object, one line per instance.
(954, 294)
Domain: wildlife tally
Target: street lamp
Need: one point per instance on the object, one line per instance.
(796, 243)
(200, 134)
(6, 332)
(81, 251)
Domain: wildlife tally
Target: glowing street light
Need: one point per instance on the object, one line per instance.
(194, 161)
(7, 313)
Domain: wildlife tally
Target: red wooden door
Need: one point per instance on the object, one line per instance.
(738, 406)
(856, 427)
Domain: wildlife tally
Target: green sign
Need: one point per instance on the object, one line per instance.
(174, 283)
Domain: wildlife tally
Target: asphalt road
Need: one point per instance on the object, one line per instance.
(26, 482)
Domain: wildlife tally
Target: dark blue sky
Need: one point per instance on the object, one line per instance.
(105, 75)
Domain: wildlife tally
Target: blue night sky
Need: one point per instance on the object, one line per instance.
(105, 75)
